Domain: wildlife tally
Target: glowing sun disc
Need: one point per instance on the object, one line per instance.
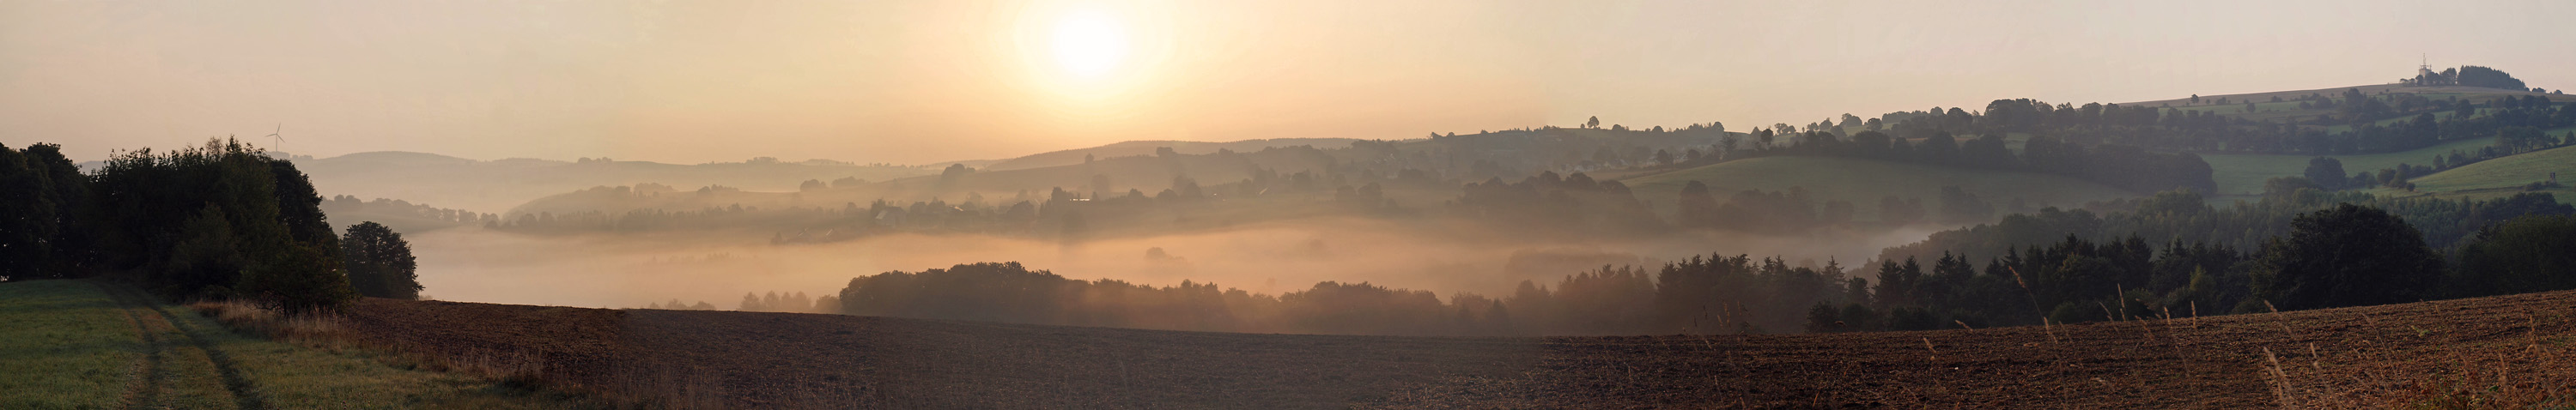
(1088, 43)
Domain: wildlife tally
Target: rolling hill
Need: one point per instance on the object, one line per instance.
(495, 186)
(2500, 177)
(1443, 162)
(1134, 148)
(1863, 182)
(2263, 100)
(2243, 174)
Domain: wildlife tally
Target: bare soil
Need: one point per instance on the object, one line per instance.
(2356, 357)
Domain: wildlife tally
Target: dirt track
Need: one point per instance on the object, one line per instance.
(2362, 357)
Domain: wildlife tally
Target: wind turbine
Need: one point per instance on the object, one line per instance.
(281, 140)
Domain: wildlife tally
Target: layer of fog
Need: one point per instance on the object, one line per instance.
(622, 271)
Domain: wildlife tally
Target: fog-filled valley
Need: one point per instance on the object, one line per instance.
(1116, 204)
(1467, 225)
(1271, 221)
(624, 271)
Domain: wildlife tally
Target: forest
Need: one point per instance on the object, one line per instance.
(2336, 255)
(2351, 122)
(221, 220)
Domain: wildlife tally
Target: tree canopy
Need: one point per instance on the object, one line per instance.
(2347, 255)
(380, 262)
(2528, 254)
(221, 220)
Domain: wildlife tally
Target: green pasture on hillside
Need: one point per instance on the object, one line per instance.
(1863, 182)
(81, 344)
(2243, 174)
(2500, 177)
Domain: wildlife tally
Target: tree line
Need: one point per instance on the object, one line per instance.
(2472, 76)
(1609, 300)
(2350, 122)
(2185, 217)
(2341, 255)
(2122, 166)
(1793, 211)
(2338, 255)
(1068, 215)
(219, 220)
(2327, 172)
(1547, 203)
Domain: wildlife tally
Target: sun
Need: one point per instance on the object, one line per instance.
(1088, 55)
(1089, 44)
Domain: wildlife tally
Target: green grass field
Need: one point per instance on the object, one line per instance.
(93, 345)
(2499, 177)
(2443, 115)
(66, 346)
(2243, 174)
(1864, 182)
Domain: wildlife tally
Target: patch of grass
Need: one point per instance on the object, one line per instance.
(2243, 174)
(303, 363)
(1863, 182)
(66, 346)
(2499, 177)
(2392, 121)
(92, 345)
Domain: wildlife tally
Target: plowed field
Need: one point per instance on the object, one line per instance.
(2499, 348)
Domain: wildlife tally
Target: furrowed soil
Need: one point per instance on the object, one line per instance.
(2485, 350)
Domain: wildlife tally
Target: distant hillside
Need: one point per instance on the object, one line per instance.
(1133, 148)
(1442, 162)
(494, 186)
(2243, 174)
(1149, 174)
(400, 215)
(2502, 177)
(1863, 182)
(2266, 96)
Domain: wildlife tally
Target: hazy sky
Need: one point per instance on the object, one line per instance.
(922, 81)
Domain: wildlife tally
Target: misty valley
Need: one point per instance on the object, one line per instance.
(1283, 205)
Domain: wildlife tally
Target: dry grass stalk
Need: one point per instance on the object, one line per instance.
(2195, 314)
(519, 370)
(1935, 354)
(314, 328)
(2280, 379)
(2285, 320)
(2051, 329)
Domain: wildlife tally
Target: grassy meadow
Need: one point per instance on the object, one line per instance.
(66, 346)
(1863, 182)
(2499, 177)
(89, 344)
(2243, 174)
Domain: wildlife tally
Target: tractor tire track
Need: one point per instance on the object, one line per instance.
(245, 393)
(150, 381)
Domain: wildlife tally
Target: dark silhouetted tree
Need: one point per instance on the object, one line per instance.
(2327, 173)
(2527, 254)
(379, 262)
(2347, 255)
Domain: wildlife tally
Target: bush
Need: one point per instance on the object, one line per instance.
(2346, 256)
(380, 262)
(2527, 254)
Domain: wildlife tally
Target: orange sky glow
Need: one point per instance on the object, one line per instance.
(918, 82)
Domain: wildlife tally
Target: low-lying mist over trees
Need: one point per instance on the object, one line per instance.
(2344, 255)
(2021, 213)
